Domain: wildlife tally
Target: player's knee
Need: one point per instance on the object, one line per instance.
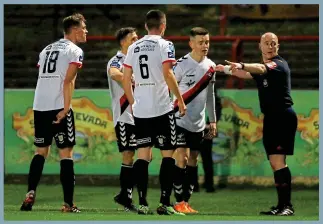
(127, 157)
(66, 153)
(192, 160)
(43, 151)
(181, 161)
(277, 162)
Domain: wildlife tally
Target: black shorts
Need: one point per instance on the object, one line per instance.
(279, 132)
(45, 130)
(157, 131)
(126, 137)
(188, 139)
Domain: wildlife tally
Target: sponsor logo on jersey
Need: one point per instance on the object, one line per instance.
(137, 49)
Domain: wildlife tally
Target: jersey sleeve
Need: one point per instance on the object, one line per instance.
(214, 76)
(128, 60)
(178, 72)
(168, 52)
(76, 57)
(275, 65)
(115, 63)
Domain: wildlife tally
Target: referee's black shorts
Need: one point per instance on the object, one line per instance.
(279, 131)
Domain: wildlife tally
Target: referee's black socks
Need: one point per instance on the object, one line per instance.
(166, 179)
(283, 185)
(68, 180)
(140, 169)
(35, 171)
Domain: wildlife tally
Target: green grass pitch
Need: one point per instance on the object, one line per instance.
(97, 203)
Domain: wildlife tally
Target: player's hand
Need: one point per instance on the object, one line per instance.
(182, 108)
(219, 68)
(60, 116)
(234, 66)
(212, 131)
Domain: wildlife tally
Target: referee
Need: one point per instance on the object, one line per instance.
(280, 120)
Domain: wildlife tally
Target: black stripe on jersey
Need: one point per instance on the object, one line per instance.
(195, 90)
(182, 58)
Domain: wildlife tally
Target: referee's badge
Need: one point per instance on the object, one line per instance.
(265, 83)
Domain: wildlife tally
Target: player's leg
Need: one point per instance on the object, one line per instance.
(65, 141)
(194, 142)
(127, 144)
(42, 140)
(165, 140)
(143, 132)
(283, 145)
(181, 156)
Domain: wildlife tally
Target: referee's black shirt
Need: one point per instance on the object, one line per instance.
(274, 86)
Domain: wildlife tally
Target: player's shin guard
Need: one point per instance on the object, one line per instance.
(141, 175)
(179, 175)
(126, 181)
(68, 180)
(166, 179)
(283, 186)
(35, 172)
(189, 182)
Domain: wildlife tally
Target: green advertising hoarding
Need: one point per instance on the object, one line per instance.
(238, 149)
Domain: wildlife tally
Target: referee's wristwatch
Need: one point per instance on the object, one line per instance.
(242, 65)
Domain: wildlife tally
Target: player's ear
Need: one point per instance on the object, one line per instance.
(191, 43)
(146, 27)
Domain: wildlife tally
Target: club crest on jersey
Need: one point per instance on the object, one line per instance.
(271, 65)
(137, 49)
(161, 139)
(190, 83)
(265, 83)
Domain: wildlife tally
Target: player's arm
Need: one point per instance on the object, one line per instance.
(68, 86)
(127, 83)
(114, 71)
(172, 82)
(116, 75)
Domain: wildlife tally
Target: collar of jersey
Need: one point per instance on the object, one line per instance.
(64, 40)
(155, 36)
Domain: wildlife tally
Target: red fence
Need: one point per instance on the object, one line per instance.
(236, 49)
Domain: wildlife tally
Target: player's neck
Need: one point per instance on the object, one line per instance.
(124, 51)
(154, 32)
(68, 37)
(197, 57)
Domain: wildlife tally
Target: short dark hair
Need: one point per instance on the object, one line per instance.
(123, 32)
(72, 20)
(154, 18)
(198, 31)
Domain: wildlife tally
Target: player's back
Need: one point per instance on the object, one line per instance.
(53, 63)
(146, 57)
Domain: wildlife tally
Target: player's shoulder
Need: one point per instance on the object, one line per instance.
(183, 60)
(165, 42)
(209, 62)
(117, 59)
